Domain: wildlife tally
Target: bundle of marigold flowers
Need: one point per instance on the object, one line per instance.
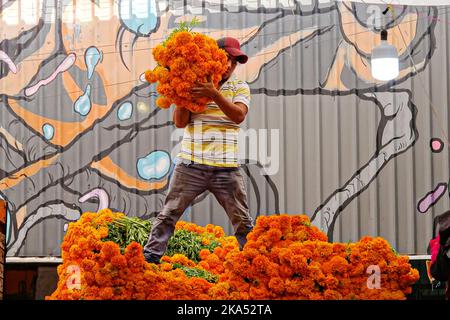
(184, 59)
(285, 258)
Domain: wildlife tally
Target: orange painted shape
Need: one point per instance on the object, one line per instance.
(65, 132)
(20, 216)
(107, 167)
(29, 171)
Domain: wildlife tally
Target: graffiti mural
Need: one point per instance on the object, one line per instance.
(79, 130)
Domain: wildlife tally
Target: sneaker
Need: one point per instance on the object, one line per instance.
(153, 259)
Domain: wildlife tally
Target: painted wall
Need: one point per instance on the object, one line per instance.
(2, 245)
(79, 129)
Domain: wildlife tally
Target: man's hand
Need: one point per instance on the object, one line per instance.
(235, 111)
(207, 90)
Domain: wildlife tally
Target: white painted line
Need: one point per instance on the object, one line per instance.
(33, 260)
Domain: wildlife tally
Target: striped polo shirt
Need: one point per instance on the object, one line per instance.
(211, 138)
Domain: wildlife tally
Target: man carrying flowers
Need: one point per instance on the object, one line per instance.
(208, 156)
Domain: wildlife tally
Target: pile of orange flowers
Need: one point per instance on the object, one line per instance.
(285, 258)
(93, 269)
(184, 59)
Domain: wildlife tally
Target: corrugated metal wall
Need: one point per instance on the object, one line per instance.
(355, 155)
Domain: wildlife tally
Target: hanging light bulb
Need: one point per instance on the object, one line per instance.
(384, 62)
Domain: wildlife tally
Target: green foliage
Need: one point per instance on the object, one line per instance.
(126, 230)
(393, 250)
(189, 244)
(197, 273)
(183, 26)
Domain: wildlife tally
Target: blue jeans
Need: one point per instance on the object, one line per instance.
(189, 181)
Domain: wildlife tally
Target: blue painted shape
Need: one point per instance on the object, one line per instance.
(154, 166)
(92, 57)
(125, 111)
(186, 214)
(83, 104)
(8, 225)
(139, 16)
(48, 131)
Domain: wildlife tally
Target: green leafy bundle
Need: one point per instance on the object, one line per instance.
(126, 230)
(189, 244)
(197, 273)
(183, 26)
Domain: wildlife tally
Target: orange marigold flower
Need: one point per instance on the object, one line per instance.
(277, 285)
(109, 250)
(182, 259)
(260, 262)
(163, 102)
(75, 252)
(259, 293)
(87, 264)
(119, 261)
(151, 76)
(332, 295)
(166, 267)
(106, 293)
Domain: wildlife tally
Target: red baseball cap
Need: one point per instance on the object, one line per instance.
(232, 46)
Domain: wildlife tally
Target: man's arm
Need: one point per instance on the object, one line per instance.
(235, 111)
(181, 117)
